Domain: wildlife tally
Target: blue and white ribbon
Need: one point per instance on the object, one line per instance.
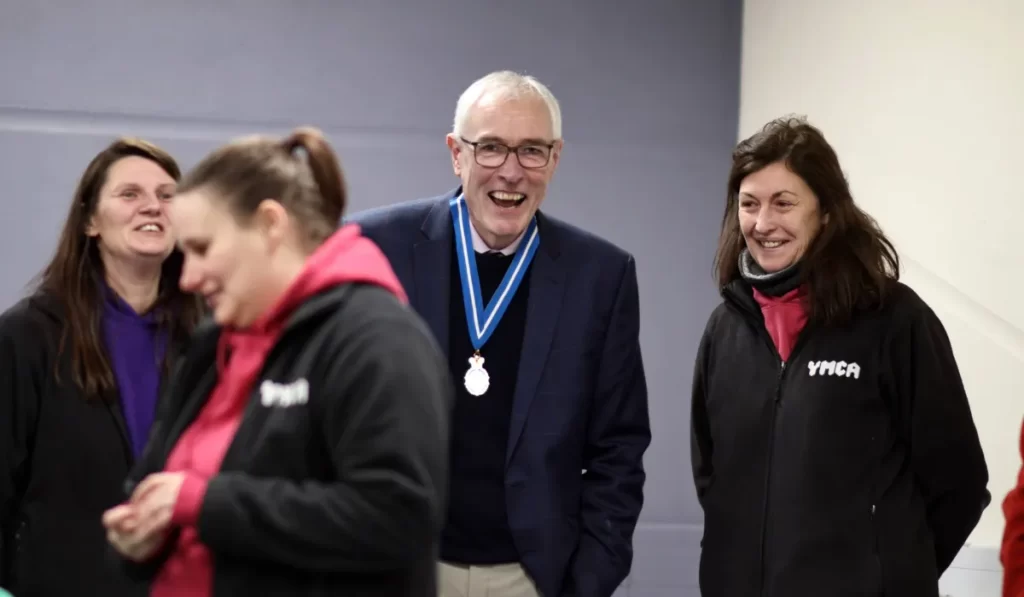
(483, 320)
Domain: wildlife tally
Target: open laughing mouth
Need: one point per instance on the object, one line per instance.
(506, 199)
(151, 227)
(771, 244)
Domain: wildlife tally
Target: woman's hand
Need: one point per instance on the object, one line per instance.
(154, 501)
(122, 524)
(138, 528)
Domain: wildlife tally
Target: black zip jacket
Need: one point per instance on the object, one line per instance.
(63, 461)
(343, 494)
(855, 469)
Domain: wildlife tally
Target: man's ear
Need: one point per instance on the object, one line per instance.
(556, 154)
(456, 151)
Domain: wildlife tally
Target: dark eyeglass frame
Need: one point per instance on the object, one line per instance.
(511, 149)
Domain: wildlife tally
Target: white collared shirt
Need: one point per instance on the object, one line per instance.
(481, 247)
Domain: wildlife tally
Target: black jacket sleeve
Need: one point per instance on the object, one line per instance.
(22, 367)
(945, 451)
(618, 434)
(385, 405)
(700, 432)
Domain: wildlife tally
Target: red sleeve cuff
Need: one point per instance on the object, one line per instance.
(190, 500)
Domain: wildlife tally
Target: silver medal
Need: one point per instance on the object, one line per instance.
(477, 380)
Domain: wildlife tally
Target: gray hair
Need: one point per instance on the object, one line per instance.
(508, 83)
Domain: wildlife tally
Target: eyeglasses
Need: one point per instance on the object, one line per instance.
(491, 154)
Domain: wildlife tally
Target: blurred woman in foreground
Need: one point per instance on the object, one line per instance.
(302, 446)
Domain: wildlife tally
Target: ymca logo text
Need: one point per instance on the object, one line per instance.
(284, 394)
(834, 368)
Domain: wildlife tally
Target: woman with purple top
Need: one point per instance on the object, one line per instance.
(81, 363)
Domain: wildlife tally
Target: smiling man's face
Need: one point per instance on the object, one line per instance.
(502, 199)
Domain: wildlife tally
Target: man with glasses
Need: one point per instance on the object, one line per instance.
(540, 321)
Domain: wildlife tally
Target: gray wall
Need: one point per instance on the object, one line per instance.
(649, 91)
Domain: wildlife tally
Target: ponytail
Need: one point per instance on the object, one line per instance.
(323, 163)
(300, 171)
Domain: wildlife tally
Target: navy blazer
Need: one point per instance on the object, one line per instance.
(581, 396)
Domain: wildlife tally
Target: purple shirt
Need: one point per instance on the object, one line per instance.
(136, 350)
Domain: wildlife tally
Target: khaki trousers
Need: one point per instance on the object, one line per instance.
(502, 580)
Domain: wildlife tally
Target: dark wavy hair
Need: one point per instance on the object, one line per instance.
(850, 264)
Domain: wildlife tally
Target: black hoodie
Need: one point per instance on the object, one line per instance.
(335, 482)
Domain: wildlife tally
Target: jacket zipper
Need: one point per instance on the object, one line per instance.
(768, 469)
(777, 403)
(753, 314)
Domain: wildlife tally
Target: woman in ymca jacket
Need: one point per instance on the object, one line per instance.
(833, 447)
(302, 445)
